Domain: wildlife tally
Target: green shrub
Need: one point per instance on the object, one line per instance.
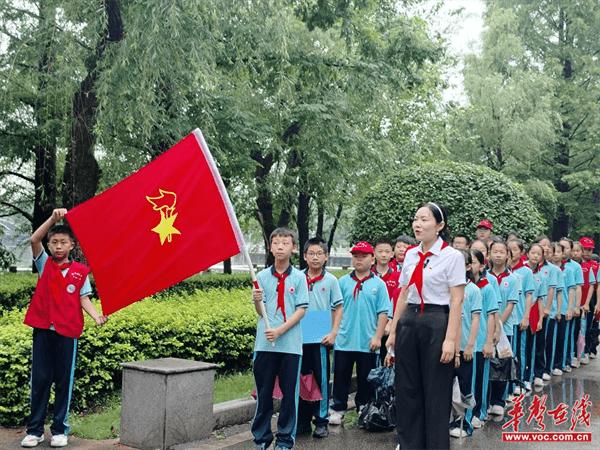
(469, 193)
(16, 289)
(215, 326)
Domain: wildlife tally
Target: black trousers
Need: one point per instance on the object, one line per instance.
(561, 336)
(551, 331)
(343, 364)
(574, 338)
(530, 340)
(423, 383)
(498, 389)
(592, 332)
(465, 375)
(53, 362)
(267, 366)
(539, 366)
(315, 360)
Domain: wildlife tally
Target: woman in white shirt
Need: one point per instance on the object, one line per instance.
(426, 333)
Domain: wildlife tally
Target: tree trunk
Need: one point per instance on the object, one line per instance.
(82, 173)
(264, 202)
(338, 215)
(227, 266)
(320, 220)
(303, 223)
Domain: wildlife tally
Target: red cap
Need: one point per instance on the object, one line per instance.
(587, 242)
(362, 247)
(486, 224)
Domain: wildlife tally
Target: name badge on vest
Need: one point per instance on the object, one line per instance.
(71, 288)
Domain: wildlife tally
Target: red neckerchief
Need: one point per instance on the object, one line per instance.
(536, 270)
(518, 265)
(382, 276)
(483, 282)
(311, 281)
(501, 276)
(417, 275)
(359, 282)
(281, 289)
(57, 280)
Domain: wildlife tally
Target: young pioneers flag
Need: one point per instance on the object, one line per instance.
(169, 220)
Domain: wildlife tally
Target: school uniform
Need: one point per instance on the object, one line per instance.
(363, 302)
(509, 286)
(391, 279)
(283, 294)
(527, 287)
(423, 384)
(555, 279)
(534, 337)
(482, 365)
(545, 281)
(564, 326)
(591, 335)
(589, 282)
(577, 274)
(56, 316)
(324, 295)
(466, 373)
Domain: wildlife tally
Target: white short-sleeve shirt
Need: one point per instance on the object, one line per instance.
(444, 269)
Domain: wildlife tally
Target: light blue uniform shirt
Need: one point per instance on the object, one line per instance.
(489, 305)
(527, 285)
(541, 284)
(569, 284)
(361, 314)
(510, 288)
(296, 296)
(576, 271)
(40, 262)
(554, 280)
(472, 304)
(325, 294)
(494, 283)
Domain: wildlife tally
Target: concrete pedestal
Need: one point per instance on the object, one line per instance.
(166, 402)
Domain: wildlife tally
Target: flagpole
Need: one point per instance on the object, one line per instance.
(263, 311)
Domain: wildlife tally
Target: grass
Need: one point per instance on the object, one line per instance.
(104, 422)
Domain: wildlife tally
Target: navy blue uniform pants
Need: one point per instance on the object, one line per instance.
(53, 362)
(266, 367)
(343, 364)
(315, 361)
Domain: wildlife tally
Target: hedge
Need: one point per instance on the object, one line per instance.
(16, 289)
(468, 191)
(216, 326)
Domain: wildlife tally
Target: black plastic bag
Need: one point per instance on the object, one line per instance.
(378, 415)
(382, 381)
(504, 369)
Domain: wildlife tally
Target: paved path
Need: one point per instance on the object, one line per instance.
(567, 389)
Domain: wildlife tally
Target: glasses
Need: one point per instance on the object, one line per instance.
(311, 254)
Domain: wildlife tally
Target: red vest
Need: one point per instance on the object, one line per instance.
(65, 312)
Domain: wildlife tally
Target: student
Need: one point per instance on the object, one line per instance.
(536, 342)
(278, 349)
(591, 335)
(426, 333)
(510, 287)
(555, 318)
(383, 256)
(366, 306)
(587, 289)
(574, 301)
(461, 242)
(484, 230)
(403, 243)
(324, 295)
(485, 338)
(55, 314)
(470, 326)
(516, 249)
(511, 236)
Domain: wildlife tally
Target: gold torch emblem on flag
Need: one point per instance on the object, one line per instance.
(165, 204)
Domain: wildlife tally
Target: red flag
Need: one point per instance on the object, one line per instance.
(169, 220)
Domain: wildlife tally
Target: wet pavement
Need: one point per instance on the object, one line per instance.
(567, 389)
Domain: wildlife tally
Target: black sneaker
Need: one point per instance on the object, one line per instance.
(321, 431)
(303, 428)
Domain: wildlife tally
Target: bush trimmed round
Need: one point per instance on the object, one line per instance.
(468, 192)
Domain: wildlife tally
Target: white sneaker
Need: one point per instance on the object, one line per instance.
(574, 363)
(518, 390)
(538, 382)
(527, 386)
(31, 441)
(557, 372)
(567, 369)
(335, 417)
(59, 440)
(458, 432)
(476, 423)
(510, 398)
(546, 377)
(585, 359)
(497, 410)
(593, 355)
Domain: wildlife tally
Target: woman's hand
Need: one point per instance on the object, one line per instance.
(447, 351)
